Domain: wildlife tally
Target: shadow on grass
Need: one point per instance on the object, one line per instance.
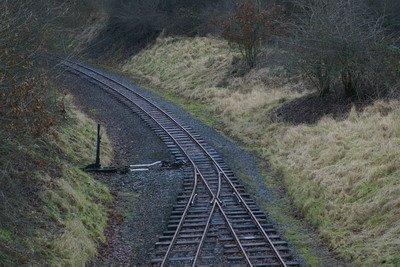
(310, 108)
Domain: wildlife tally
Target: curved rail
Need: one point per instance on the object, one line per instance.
(174, 238)
(215, 201)
(220, 170)
(192, 196)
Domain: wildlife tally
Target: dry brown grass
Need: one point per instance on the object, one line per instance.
(342, 174)
(345, 176)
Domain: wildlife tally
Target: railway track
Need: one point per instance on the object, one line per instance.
(214, 222)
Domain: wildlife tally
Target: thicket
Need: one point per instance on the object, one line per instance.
(344, 45)
(339, 46)
(28, 103)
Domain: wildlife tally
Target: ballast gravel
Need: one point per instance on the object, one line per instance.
(143, 200)
(148, 197)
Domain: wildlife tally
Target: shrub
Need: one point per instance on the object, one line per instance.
(342, 41)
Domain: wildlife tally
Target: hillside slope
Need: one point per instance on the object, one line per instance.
(51, 212)
(342, 173)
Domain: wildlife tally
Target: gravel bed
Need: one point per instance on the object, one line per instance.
(247, 167)
(143, 200)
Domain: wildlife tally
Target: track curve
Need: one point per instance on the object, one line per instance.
(215, 222)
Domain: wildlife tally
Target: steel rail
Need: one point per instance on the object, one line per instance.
(203, 237)
(197, 172)
(216, 199)
(191, 198)
(200, 145)
(234, 234)
(175, 237)
(216, 164)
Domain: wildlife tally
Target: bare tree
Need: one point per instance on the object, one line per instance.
(250, 25)
(340, 40)
(389, 10)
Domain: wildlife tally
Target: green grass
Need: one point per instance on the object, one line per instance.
(343, 175)
(198, 109)
(52, 212)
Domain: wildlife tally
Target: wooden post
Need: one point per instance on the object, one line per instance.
(98, 164)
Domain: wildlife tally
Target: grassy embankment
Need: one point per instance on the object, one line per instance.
(51, 211)
(342, 174)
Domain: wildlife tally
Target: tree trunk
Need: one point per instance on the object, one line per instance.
(348, 84)
(324, 81)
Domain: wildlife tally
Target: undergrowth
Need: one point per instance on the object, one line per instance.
(343, 174)
(51, 212)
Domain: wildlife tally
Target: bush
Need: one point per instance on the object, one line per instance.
(341, 41)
